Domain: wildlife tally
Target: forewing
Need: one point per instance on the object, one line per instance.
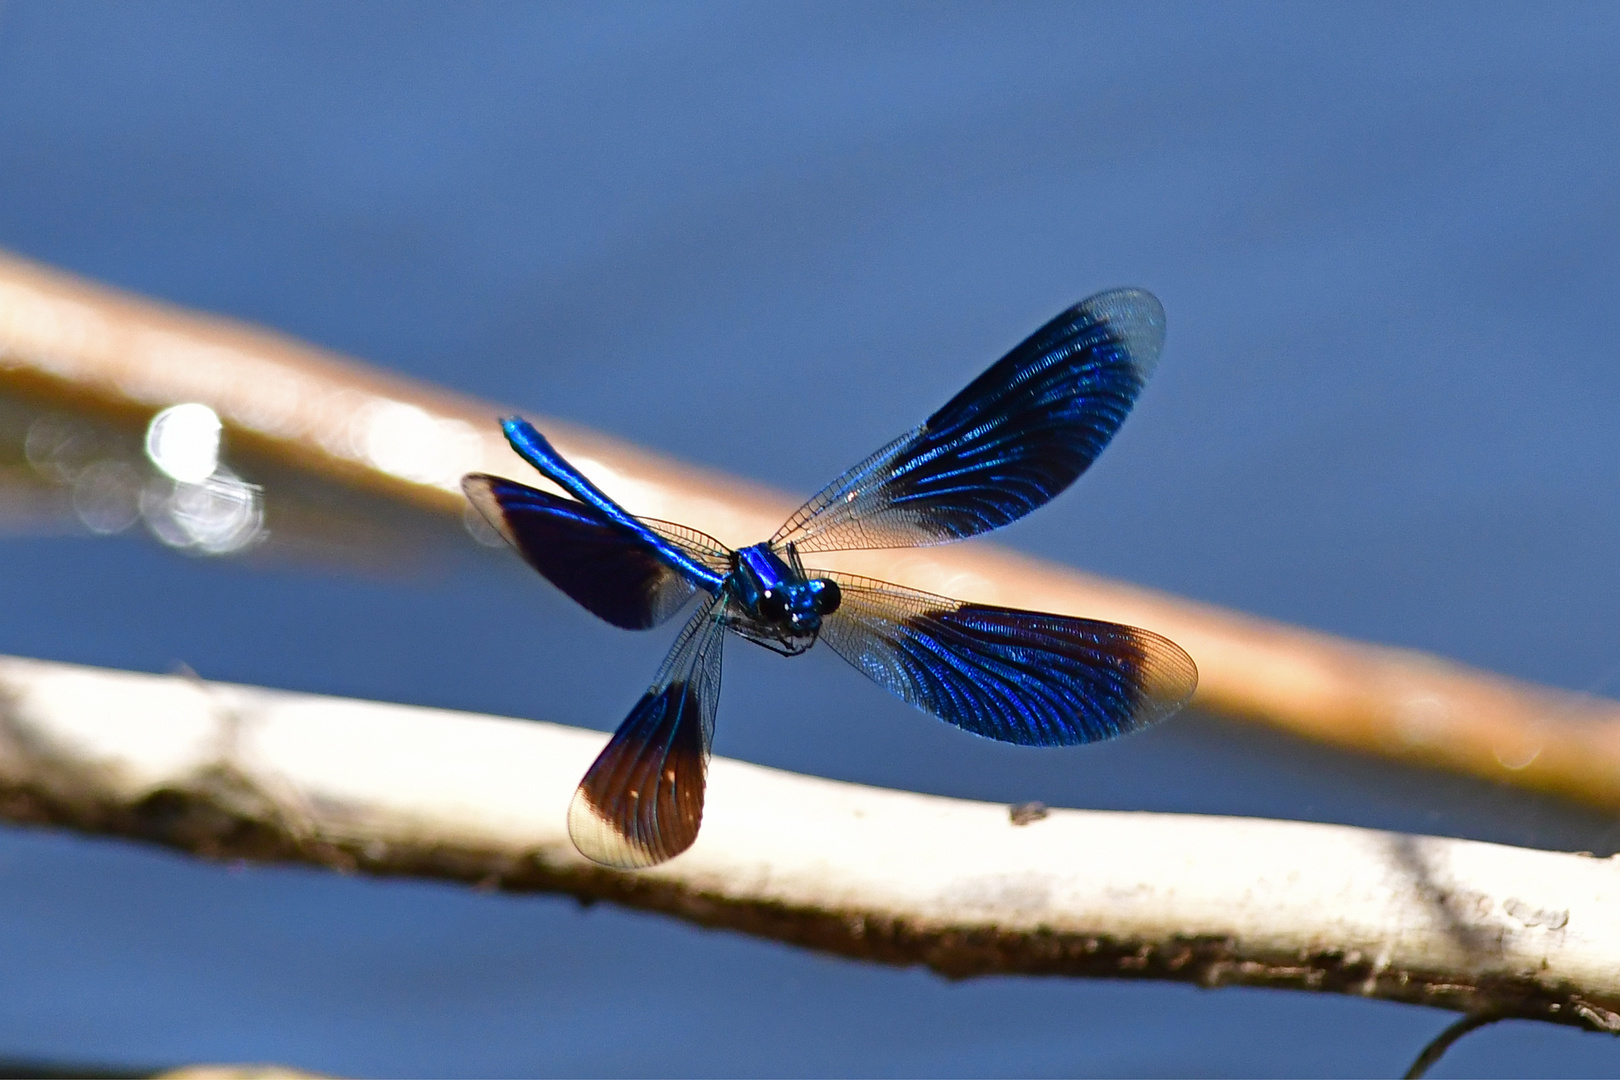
(642, 800)
(700, 545)
(609, 570)
(1017, 676)
(1016, 436)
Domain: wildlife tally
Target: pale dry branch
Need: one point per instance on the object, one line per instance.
(886, 876)
(101, 350)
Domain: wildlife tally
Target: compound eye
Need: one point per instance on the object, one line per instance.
(827, 595)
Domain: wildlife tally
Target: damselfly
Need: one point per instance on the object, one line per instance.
(1015, 437)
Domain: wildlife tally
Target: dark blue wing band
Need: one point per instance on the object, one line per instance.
(1016, 436)
(608, 569)
(1015, 676)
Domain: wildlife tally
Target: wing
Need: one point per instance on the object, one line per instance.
(608, 569)
(1017, 676)
(642, 800)
(1015, 437)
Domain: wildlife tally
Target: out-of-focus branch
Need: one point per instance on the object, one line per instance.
(101, 350)
(888, 876)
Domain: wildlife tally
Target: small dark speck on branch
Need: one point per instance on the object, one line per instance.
(1026, 812)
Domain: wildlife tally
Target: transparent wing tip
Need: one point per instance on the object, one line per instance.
(1137, 317)
(480, 491)
(1166, 676)
(599, 839)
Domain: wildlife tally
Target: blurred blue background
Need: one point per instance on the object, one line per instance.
(1388, 239)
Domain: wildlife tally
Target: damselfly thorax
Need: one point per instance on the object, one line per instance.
(773, 602)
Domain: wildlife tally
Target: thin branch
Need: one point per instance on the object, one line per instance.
(100, 350)
(887, 876)
(1442, 1042)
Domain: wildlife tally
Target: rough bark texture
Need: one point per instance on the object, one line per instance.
(891, 877)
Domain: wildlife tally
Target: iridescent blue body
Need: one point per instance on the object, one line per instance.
(1015, 437)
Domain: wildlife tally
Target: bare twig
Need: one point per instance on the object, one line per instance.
(102, 350)
(1442, 1042)
(885, 876)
